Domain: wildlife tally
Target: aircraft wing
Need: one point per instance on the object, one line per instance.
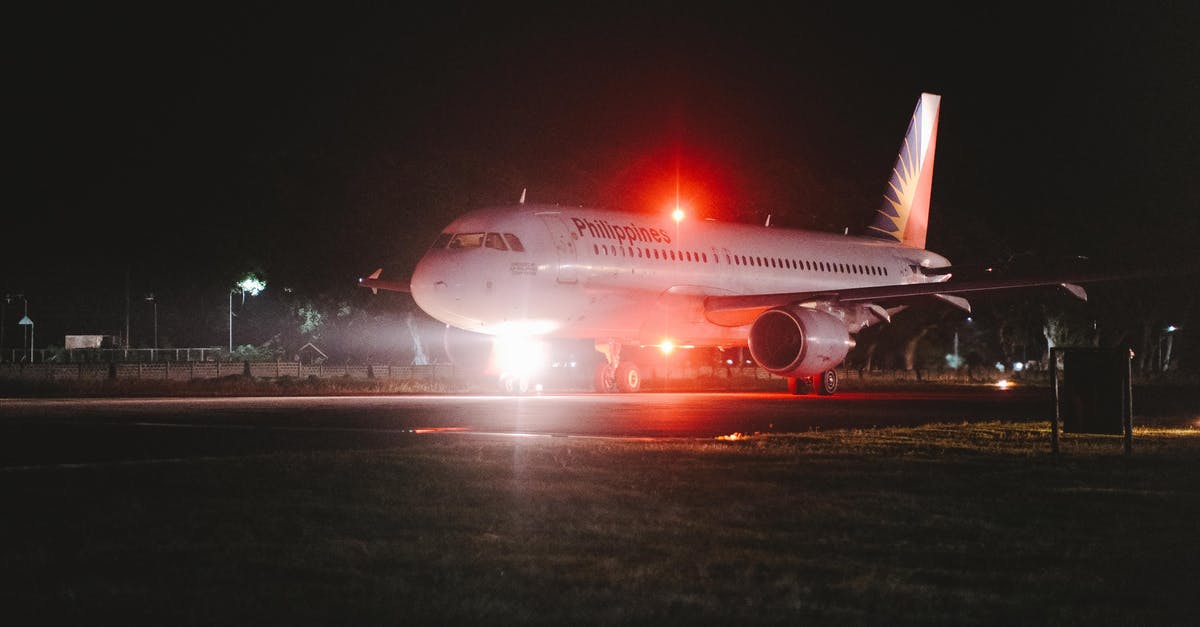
(375, 283)
(743, 309)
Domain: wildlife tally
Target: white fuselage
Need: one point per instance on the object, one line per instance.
(632, 278)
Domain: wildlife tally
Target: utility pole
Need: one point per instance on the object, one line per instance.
(126, 306)
(154, 301)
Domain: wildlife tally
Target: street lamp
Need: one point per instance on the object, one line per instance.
(27, 322)
(1166, 356)
(250, 283)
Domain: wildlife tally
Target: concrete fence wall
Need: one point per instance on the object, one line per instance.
(186, 371)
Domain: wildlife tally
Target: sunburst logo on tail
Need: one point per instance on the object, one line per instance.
(904, 216)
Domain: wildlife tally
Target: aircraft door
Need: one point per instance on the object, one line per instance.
(564, 245)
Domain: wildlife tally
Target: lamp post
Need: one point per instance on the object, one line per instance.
(251, 284)
(26, 321)
(1170, 336)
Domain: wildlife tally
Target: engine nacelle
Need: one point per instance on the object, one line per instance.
(798, 342)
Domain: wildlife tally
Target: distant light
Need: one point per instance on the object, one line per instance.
(1172, 328)
(538, 388)
(252, 285)
(666, 346)
(1004, 384)
(677, 215)
(728, 362)
(999, 366)
(732, 437)
(970, 319)
(1017, 367)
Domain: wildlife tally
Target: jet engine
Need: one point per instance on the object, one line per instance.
(798, 341)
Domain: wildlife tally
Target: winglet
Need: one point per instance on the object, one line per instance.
(904, 216)
(1076, 291)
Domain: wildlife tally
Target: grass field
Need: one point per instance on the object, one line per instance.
(943, 524)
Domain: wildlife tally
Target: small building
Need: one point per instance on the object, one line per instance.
(90, 341)
(309, 354)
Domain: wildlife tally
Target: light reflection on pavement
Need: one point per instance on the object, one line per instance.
(36, 432)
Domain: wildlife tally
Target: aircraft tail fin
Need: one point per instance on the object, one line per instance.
(904, 216)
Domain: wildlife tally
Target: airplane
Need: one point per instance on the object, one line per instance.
(795, 298)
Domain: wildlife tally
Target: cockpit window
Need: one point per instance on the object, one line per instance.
(467, 240)
(514, 242)
(442, 240)
(493, 240)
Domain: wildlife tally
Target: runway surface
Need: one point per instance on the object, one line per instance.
(44, 432)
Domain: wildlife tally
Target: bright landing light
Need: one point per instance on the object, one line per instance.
(677, 215)
(518, 356)
(1004, 384)
(667, 347)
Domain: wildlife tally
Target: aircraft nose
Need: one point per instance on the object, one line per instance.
(433, 287)
(424, 277)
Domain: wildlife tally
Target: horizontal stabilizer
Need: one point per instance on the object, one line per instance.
(375, 283)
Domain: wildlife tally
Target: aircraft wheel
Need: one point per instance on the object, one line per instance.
(605, 379)
(826, 383)
(629, 379)
(798, 386)
(515, 385)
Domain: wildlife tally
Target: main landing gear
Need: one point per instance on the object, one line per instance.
(614, 375)
(824, 384)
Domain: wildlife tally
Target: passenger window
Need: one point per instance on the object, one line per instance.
(514, 242)
(467, 240)
(493, 240)
(442, 240)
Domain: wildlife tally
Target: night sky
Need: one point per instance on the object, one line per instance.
(312, 146)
